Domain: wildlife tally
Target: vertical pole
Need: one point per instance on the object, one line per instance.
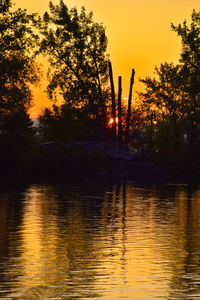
(129, 109)
(119, 112)
(151, 132)
(113, 100)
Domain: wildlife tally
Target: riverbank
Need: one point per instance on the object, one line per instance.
(143, 170)
(156, 169)
(61, 165)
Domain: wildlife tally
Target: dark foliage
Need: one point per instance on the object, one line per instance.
(76, 47)
(18, 72)
(173, 95)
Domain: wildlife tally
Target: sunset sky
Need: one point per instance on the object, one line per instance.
(138, 31)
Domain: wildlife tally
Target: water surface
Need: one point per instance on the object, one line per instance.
(96, 241)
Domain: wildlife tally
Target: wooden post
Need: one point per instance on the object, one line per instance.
(119, 112)
(113, 100)
(151, 132)
(129, 109)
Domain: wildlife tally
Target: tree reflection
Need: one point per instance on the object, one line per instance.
(101, 241)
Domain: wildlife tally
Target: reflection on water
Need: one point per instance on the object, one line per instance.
(100, 242)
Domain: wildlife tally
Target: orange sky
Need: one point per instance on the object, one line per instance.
(138, 31)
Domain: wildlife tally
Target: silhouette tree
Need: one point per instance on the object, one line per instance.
(190, 66)
(165, 98)
(164, 93)
(60, 123)
(175, 91)
(76, 46)
(17, 66)
(17, 72)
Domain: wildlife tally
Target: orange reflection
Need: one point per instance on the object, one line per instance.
(133, 242)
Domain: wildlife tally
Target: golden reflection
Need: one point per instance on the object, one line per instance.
(126, 241)
(39, 239)
(53, 250)
(151, 212)
(130, 256)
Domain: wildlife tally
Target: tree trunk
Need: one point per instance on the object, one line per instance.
(129, 109)
(120, 142)
(151, 132)
(113, 101)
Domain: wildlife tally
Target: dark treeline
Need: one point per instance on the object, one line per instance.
(172, 98)
(164, 119)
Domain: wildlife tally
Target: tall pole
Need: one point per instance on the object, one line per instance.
(151, 132)
(113, 100)
(119, 111)
(129, 109)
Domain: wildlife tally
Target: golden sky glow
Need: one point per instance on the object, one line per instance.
(138, 32)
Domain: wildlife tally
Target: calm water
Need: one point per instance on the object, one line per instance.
(124, 241)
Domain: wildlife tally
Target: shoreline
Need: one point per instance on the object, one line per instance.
(144, 170)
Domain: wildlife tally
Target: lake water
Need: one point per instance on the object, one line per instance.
(97, 241)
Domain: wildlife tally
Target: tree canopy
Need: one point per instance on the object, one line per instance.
(17, 66)
(174, 93)
(76, 46)
(18, 72)
(190, 53)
